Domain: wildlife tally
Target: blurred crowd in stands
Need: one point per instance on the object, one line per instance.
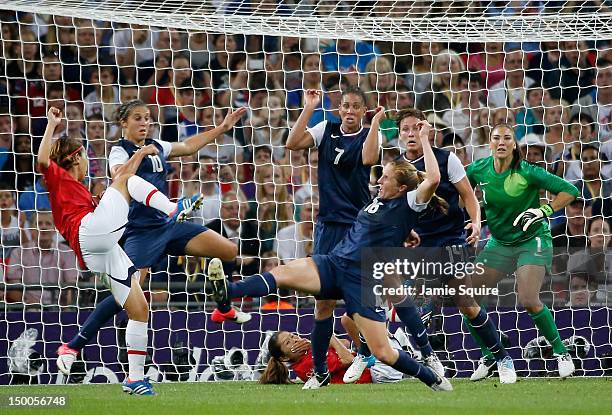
(258, 193)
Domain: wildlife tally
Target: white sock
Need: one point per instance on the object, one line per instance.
(136, 341)
(144, 192)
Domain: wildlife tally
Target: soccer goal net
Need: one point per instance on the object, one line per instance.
(544, 67)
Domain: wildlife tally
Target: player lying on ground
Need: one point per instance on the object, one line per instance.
(385, 222)
(290, 351)
(520, 236)
(434, 229)
(347, 150)
(93, 232)
(149, 235)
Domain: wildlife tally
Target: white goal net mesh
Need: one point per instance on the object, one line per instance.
(543, 66)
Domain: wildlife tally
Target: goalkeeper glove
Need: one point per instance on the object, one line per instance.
(531, 216)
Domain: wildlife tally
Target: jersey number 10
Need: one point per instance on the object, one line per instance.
(156, 163)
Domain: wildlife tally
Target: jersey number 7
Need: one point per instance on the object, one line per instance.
(340, 152)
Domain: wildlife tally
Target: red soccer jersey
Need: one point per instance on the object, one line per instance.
(70, 202)
(303, 368)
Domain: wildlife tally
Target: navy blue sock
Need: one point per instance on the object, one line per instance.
(224, 306)
(364, 350)
(321, 335)
(103, 312)
(228, 270)
(488, 333)
(258, 285)
(409, 366)
(412, 319)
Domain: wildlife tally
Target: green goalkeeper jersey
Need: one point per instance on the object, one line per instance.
(506, 195)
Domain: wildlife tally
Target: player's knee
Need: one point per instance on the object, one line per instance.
(324, 309)
(346, 322)
(469, 311)
(384, 353)
(121, 177)
(231, 252)
(533, 307)
(529, 301)
(138, 309)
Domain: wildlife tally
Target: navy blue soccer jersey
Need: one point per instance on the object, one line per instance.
(343, 178)
(153, 169)
(382, 223)
(434, 227)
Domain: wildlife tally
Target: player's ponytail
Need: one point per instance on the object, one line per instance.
(64, 152)
(406, 174)
(276, 373)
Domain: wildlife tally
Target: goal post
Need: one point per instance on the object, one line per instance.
(468, 65)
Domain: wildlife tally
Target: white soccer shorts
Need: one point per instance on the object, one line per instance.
(99, 235)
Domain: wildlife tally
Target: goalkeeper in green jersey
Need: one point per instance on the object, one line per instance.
(520, 241)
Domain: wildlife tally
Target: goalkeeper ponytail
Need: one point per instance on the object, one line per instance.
(276, 373)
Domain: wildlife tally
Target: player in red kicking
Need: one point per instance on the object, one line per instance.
(93, 230)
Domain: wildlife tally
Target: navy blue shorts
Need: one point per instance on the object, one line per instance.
(147, 247)
(444, 241)
(340, 279)
(328, 235)
(449, 250)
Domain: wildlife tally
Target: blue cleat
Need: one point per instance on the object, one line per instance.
(138, 387)
(370, 360)
(186, 205)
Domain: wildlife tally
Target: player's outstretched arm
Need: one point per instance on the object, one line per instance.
(299, 138)
(370, 152)
(54, 118)
(429, 185)
(194, 143)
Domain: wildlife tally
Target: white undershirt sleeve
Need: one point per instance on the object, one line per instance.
(317, 132)
(117, 157)
(417, 207)
(455, 169)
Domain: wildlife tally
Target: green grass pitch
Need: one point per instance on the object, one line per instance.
(534, 396)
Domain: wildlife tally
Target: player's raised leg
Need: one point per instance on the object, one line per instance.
(301, 275)
(210, 244)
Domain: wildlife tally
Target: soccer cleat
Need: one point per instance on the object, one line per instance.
(442, 385)
(433, 362)
(565, 365)
(355, 370)
(234, 315)
(483, 370)
(186, 205)
(317, 381)
(217, 281)
(65, 358)
(138, 387)
(505, 367)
